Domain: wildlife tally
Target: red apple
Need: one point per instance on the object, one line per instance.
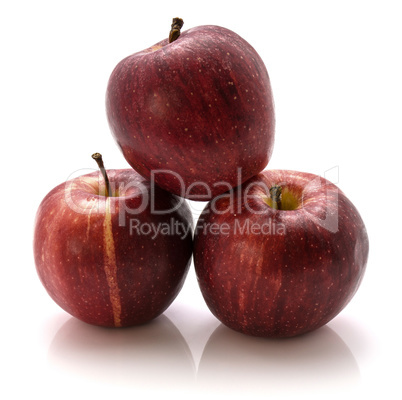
(115, 260)
(281, 255)
(196, 115)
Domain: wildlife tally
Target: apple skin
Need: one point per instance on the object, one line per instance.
(200, 108)
(95, 265)
(287, 280)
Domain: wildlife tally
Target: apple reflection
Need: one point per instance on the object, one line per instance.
(313, 362)
(154, 354)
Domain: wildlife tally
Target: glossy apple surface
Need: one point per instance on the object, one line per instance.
(103, 259)
(198, 113)
(280, 272)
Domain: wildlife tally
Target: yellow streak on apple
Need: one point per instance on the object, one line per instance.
(110, 265)
(155, 47)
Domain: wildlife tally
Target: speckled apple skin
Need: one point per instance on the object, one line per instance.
(98, 269)
(288, 281)
(200, 107)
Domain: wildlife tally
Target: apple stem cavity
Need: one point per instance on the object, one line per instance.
(276, 197)
(98, 158)
(174, 33)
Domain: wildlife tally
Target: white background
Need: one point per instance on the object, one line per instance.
(335, 68)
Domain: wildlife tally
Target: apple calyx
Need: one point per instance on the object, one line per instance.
(276, 197)
(174, 33)
(98, 158)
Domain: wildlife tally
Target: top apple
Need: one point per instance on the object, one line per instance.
(196, 115)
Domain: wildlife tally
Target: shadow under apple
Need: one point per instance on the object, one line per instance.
(310, 363)
(151, 355)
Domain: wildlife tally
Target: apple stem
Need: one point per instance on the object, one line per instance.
(174, 33)
(98, 158)
(276, 197)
